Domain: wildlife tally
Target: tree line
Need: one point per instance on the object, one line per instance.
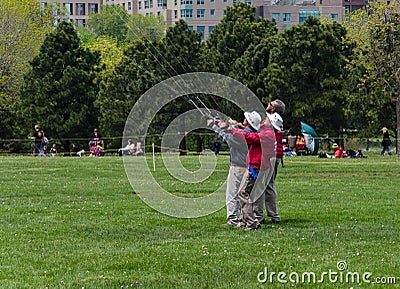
(69, 80)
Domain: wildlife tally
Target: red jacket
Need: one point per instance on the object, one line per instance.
(279, 144)
(279, 138)
(261, 147)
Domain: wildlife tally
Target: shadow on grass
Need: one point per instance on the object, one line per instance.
(291, 223)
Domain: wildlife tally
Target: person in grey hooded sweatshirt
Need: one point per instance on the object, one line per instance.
(237, 169)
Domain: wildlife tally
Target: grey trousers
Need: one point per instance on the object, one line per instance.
(251, 191)
(234, 180)
(269, 199)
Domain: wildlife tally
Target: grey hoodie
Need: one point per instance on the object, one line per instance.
(237, 145)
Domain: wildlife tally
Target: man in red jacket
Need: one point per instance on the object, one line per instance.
(269, 199)
(258, 161)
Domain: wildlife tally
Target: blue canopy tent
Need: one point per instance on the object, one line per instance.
(311, 138)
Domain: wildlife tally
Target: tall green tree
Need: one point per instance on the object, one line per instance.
(115, 21)
(237, 48)
(144, 64)
(251, 67)
(60, 89)
(151, 27)
(22, 29)
(305, 71)
(111, 21)
(232, 37)
(376, 31)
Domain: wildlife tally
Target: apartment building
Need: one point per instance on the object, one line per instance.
(351, 5)
(78, 10)
(290, 12)
(201, 15)
(130, 5)
(204, 15)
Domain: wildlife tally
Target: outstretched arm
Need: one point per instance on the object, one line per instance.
(251, 138)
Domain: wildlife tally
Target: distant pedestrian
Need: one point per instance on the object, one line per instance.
(53, 150)
(386, 142)
(216, 147)
(38, 141)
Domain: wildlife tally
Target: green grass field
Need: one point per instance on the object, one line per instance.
(76, 223)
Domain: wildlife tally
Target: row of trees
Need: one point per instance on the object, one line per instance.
(329, 75)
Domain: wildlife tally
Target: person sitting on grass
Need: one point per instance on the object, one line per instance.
(139, 149)
(128, 150)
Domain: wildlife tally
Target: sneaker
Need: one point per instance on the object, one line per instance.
(272, 221)
(251, 228)
(228, 224)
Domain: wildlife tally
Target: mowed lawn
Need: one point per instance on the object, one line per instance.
(76, 223)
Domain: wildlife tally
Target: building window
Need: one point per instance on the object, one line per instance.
(146, 4)
(303, 15)
(94, 8)
(210, 28)
(286, 17)
(175, 14)
(175, 2)
(276, 17)
(335, 17)
(186, 2)
(129, 6)
(201, 29)
(225, 0)
(80, 8)
(68, 7)
(212, 12)
(200, 2)
(247, 1)
(200, 13)
(161, 3)
(158, 13)
(80, 22)
(151, 3)
(187, 13)
(140, 5)
(190, 27)
(212, 1)
(347, 9)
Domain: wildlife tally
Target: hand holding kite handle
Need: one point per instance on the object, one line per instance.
(232, 121)
(235, 123)
(224, 125)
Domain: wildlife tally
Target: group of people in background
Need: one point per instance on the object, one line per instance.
(96, 146)
(255, 153)
(131, 150)
(340, 152)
